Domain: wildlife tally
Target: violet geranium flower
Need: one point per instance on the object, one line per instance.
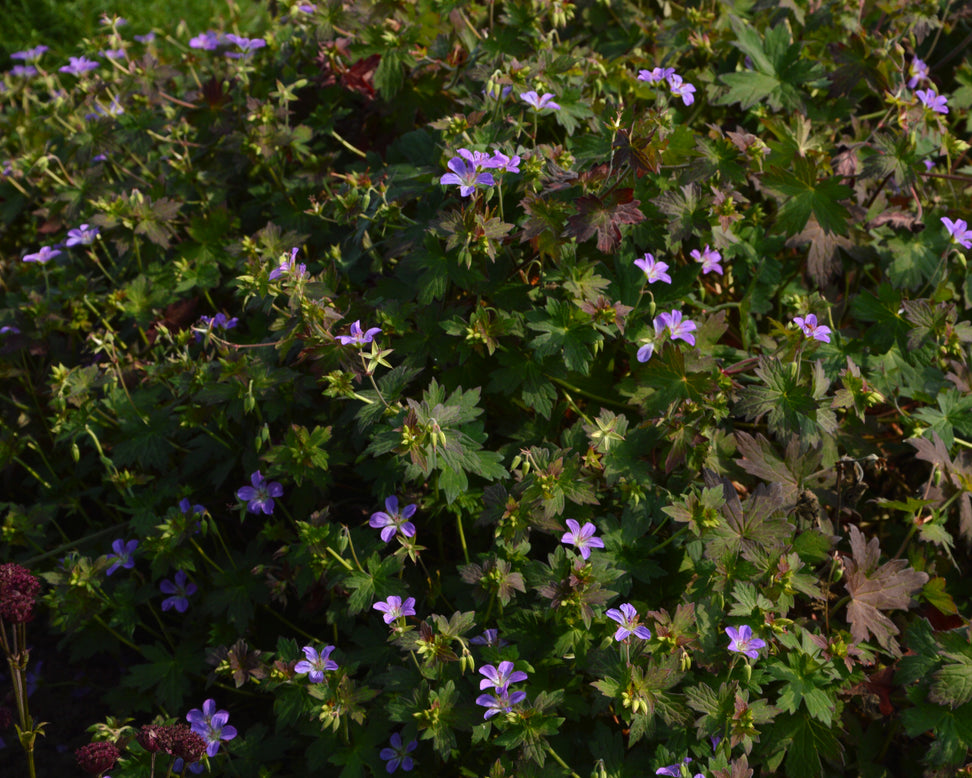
(397, 755)
(391, 521)
(656, 75)
(681, 89)
(627, 617)
(212, 725)
(811, 329)
(502, 702)
(742, 641)
(935, 102)
(357, 337)
(246, 46)
(81, 236)
(918, 71)
(122, 556)
(582, 537)
(316, 663)
(180, 591)
(500, 678)
(78, 65)
(395, 609)
(958, 229)
(654, 270)
(710, 259)
(678, 328)
(466, 176)
(259, 496)
(29, 55)
(289, 267)
(539, 102)
(45, 255)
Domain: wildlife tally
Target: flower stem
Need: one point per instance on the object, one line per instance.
(558, 760)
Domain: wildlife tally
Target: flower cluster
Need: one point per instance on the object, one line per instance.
(391, 521)
(18, 592)
(499, 679)
(97, 758)
(468, 169)
(211, 725)
(315, 663)
(676, 84)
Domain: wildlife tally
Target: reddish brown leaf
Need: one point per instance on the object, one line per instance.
(604, 217)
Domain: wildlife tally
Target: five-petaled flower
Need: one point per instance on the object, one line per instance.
(710, 259)
(959, 231)
(218, 322)
(78, 65)
(811, 329)
(466, 175)
(397, 755)
(357, 337)
(245, 45)
(29, 55)
(46, 254)
(656, 75)
(501, 677)
(539, 102)
(742, 641)
(122, 556)
(211, 725)
(316, 663)
(394, 608)
(654, 269)
(673, 769)
(81, 236)
(392, 521)
(502, 702)
(259, 496)
(681, 89)
(627, 617)
(208, 40)
(582, 537)
(500, 161)
(936, 102)
(290, 267)
(678, 328)
(180, 591)
(918, 71)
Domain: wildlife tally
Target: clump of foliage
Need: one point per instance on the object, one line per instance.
(536, 388)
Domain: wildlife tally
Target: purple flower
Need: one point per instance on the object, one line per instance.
(928, 164)
(9, 329)
(502, 94)
(23, 71)
(937, 103)
(582, 537)
(308, 8)
(180, 591)
(501, 677)
(680, 89)
(500, 161)
(645, 352)
(390, 521)
(490, 637)
(811, 329)
(245, 45)
(958, 229)
(918, 71)
(316, 663)
(357, 337)
(29, 55)
(113, 53)
(211, 725)
(46, 254)
(398, 755)
(466, 176)
(540, 102)
(678, 328)
(394, 608)
(289, 267)
(208, 40)
(673, 769)
(654, 269)
(710, 259)
(627, 617)
(78, 65)
(81, 236)
(217, 322)
(497, 703)
(259, 496)
(742, 641)
(122, 556)
(186, 507)
(656, 75)
(147, 38)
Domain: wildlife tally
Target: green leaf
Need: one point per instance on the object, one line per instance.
(803, 195)
(952, 684)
